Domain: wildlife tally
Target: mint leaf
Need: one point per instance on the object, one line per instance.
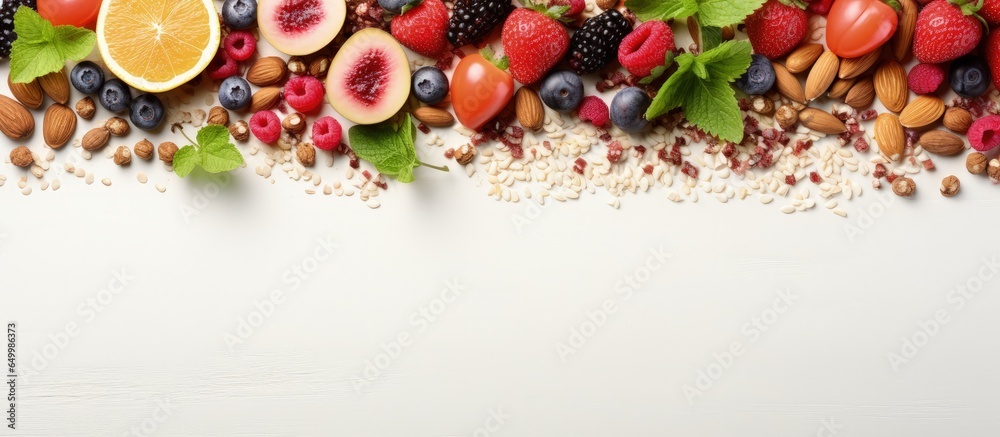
(649, 10)
(212, 151)
(711, 37)
(728, 61)
(220, 157)
(41, 49)
(211, 134)
(185, 160)
(391, 150)
(714, 109)
(719, 13)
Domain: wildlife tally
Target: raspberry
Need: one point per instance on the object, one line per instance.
(594, 110)
(925, 78)
(265, 126)
(326, 133)
(239, 45)
(304, 93)
(576, 7)
(222, 66)
(646, 48)
(984, 134)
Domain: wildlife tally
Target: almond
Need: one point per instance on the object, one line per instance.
(267, 71)
(822, 75)
(862, 94)
(840, 88)
(889, 136)
(890, 85)
(528, 108)
(434, 117)
(58, 125)
(803, 57)
(29, 94)
(787, 84)
(821, 121)
(265, 98)
(15, 120)
(95, 139)
(902, 41)
(56, 86)
(922, 112)
(854, 67)
(957, 120)
(940, 142)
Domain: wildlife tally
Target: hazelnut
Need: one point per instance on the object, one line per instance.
(294, 123)
(218, 115)
(319, 66)
(950, 186)
(85, 108)
(464, 154)
(166, 151)
(976, 163)
(786, 116)
(117, 126)
(306, 154)
(994, 171)
(240, 131)
(904, 187)
(297, 66)
(21, 157)
(762, 105)
(607, 4)
(123, 156)
(144, 149)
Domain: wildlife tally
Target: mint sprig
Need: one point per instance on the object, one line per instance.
(711, 15)
(700, 87)
(390, 149)
(41, 48)
(212, 152)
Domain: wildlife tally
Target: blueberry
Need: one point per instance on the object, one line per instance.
(628, 109)
(969, 77)
(430, 85)
(562, 91)
(239, 14)
(115, 95)
(147, 112)
(394, 6)
(234, 93)
(759, 78)
(87, 77)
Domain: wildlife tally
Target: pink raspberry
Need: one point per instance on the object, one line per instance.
(646, 47)
(925, 78)
(222, 66)
(576, 7)
(594, 110)
(984, 134)
(304, 93)
(239, 45)
(326, 133)
(265, 126)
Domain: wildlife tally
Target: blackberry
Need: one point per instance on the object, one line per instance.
(595, 45)
(473, 20)
(7, 35)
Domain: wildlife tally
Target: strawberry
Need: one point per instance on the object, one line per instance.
(821, 7)
(993, 56)
(946, 30)
(534, 41)
(423, 28)
(991, 12)
(776, 28)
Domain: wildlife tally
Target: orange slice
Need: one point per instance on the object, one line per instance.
(157, 45)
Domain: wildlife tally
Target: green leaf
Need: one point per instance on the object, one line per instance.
(649, 10)
(212, 134)
(220, 157)
(719, 13)
(728, 61)
(390, 150)
(41, 49)
(711, 37)
(713, 108)
(185, 160)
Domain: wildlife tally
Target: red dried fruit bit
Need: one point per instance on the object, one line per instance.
(240, 45)
(304, 93)
(594, 110)
(646, 47)
(868, 114)
(801, 145)
(729, 150)
(517, 152)
(880, 171)
(355, 163)
(614, 151)
(450, 153)
(648, 169)
(689, 170)
(640, 150)
(925, 78)
(861, 144)
(579, 165)
(891, 177)
(367, 174)
(790, 179)
(222, 66)
(984, 134)
(744, 104)
(424, 128)
(814, 177)
(928, 164)
(265, 126)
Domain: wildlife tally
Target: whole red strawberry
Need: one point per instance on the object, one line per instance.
(946, 30)
(991, 12)
(423, 28)
(776, 28)
(534, 41)
(993, 56)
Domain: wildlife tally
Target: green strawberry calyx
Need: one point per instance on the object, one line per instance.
(894, 4)
(410, 5)
(502, 62)
(794, 3)
(970, 7)
(557, 13)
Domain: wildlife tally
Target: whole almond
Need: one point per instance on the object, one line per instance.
(862, 94)
(821, 121)
(822, 75)
(957, 120)
(528, 108)
(854, 67)
(267, 71)
(434, 117)
(940, 142)
(56, 86)
(787, 84)
(95, 138)
(803, 57)
(29, 94)
(890, 85)
(922, 111)
(902, 41)
(15, 120)
(58, 125)
(265, 98)
(840, 88)
(890, 136)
